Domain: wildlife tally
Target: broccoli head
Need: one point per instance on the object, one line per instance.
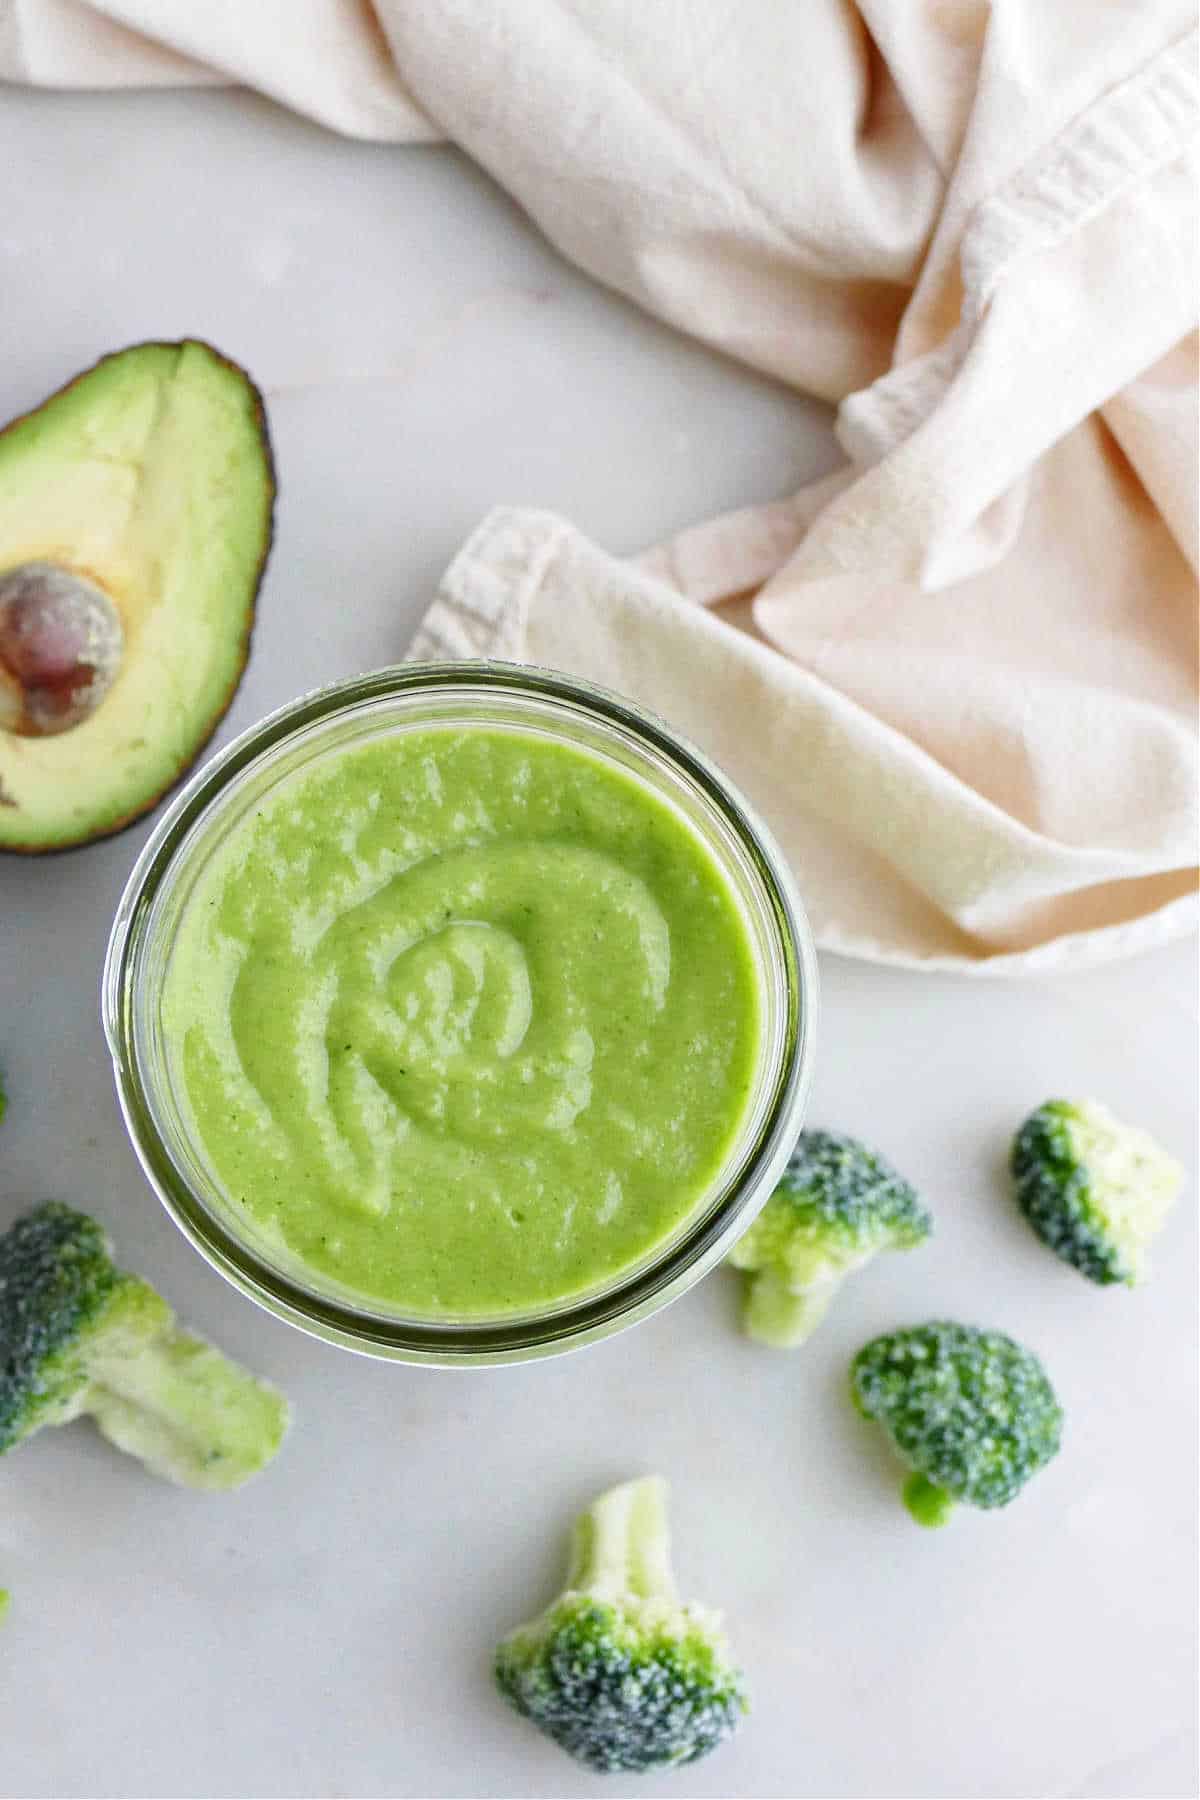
(616, 1670)
(1093, 1189)
(78, 1335)
(836, 1205)
(970, 1411)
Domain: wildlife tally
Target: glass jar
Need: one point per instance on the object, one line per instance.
(462, 695)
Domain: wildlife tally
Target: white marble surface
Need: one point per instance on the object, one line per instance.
(327, 1632)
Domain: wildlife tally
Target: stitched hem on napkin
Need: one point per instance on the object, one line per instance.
(1127, 134)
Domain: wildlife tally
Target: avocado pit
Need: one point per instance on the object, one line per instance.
(60, 648)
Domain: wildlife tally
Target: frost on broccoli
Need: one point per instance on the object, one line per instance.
(78, 1335)
(971, 1412)
(616, 1670)
(837, 1204)
(1095, 1190)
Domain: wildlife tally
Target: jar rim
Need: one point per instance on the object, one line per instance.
(633, 1294)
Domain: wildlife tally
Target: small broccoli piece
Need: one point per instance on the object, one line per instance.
(78, 1335)
(1093, 1189)
(970, 1411)
(617, 1671)
(836, 1205)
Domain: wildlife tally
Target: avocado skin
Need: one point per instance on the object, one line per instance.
(188, 762)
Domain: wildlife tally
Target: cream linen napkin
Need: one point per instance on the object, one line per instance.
(959, 676)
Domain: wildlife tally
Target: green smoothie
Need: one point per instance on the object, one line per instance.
(466, 1020)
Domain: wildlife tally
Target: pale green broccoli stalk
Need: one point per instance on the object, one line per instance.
(78, 1335)
(617, 1671)
(970, 1411)
(836, 1205)
(1093, 1189)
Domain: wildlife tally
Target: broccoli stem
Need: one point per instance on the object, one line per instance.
(929, 1504)
(622, 1544)
(780, 1315)
(189, 1413)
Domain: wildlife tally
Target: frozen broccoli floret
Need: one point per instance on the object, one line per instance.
(617, 1671)
(1093, 1189)
(78, 1335)
(970, 1411)
(837, 1204)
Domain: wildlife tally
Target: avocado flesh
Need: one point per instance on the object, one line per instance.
(150, 476)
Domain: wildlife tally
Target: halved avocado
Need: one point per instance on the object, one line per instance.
(135, 521)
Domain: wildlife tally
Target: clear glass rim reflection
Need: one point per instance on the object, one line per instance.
(355, 1326)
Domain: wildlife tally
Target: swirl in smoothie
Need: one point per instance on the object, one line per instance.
(464, 1019)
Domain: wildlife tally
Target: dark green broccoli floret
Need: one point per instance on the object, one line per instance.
(1093, 1189)
(836, 1205)
(78, 1335)
(970, 1411)
(617, 1671)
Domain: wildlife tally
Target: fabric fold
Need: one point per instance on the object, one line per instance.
(899, 860)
